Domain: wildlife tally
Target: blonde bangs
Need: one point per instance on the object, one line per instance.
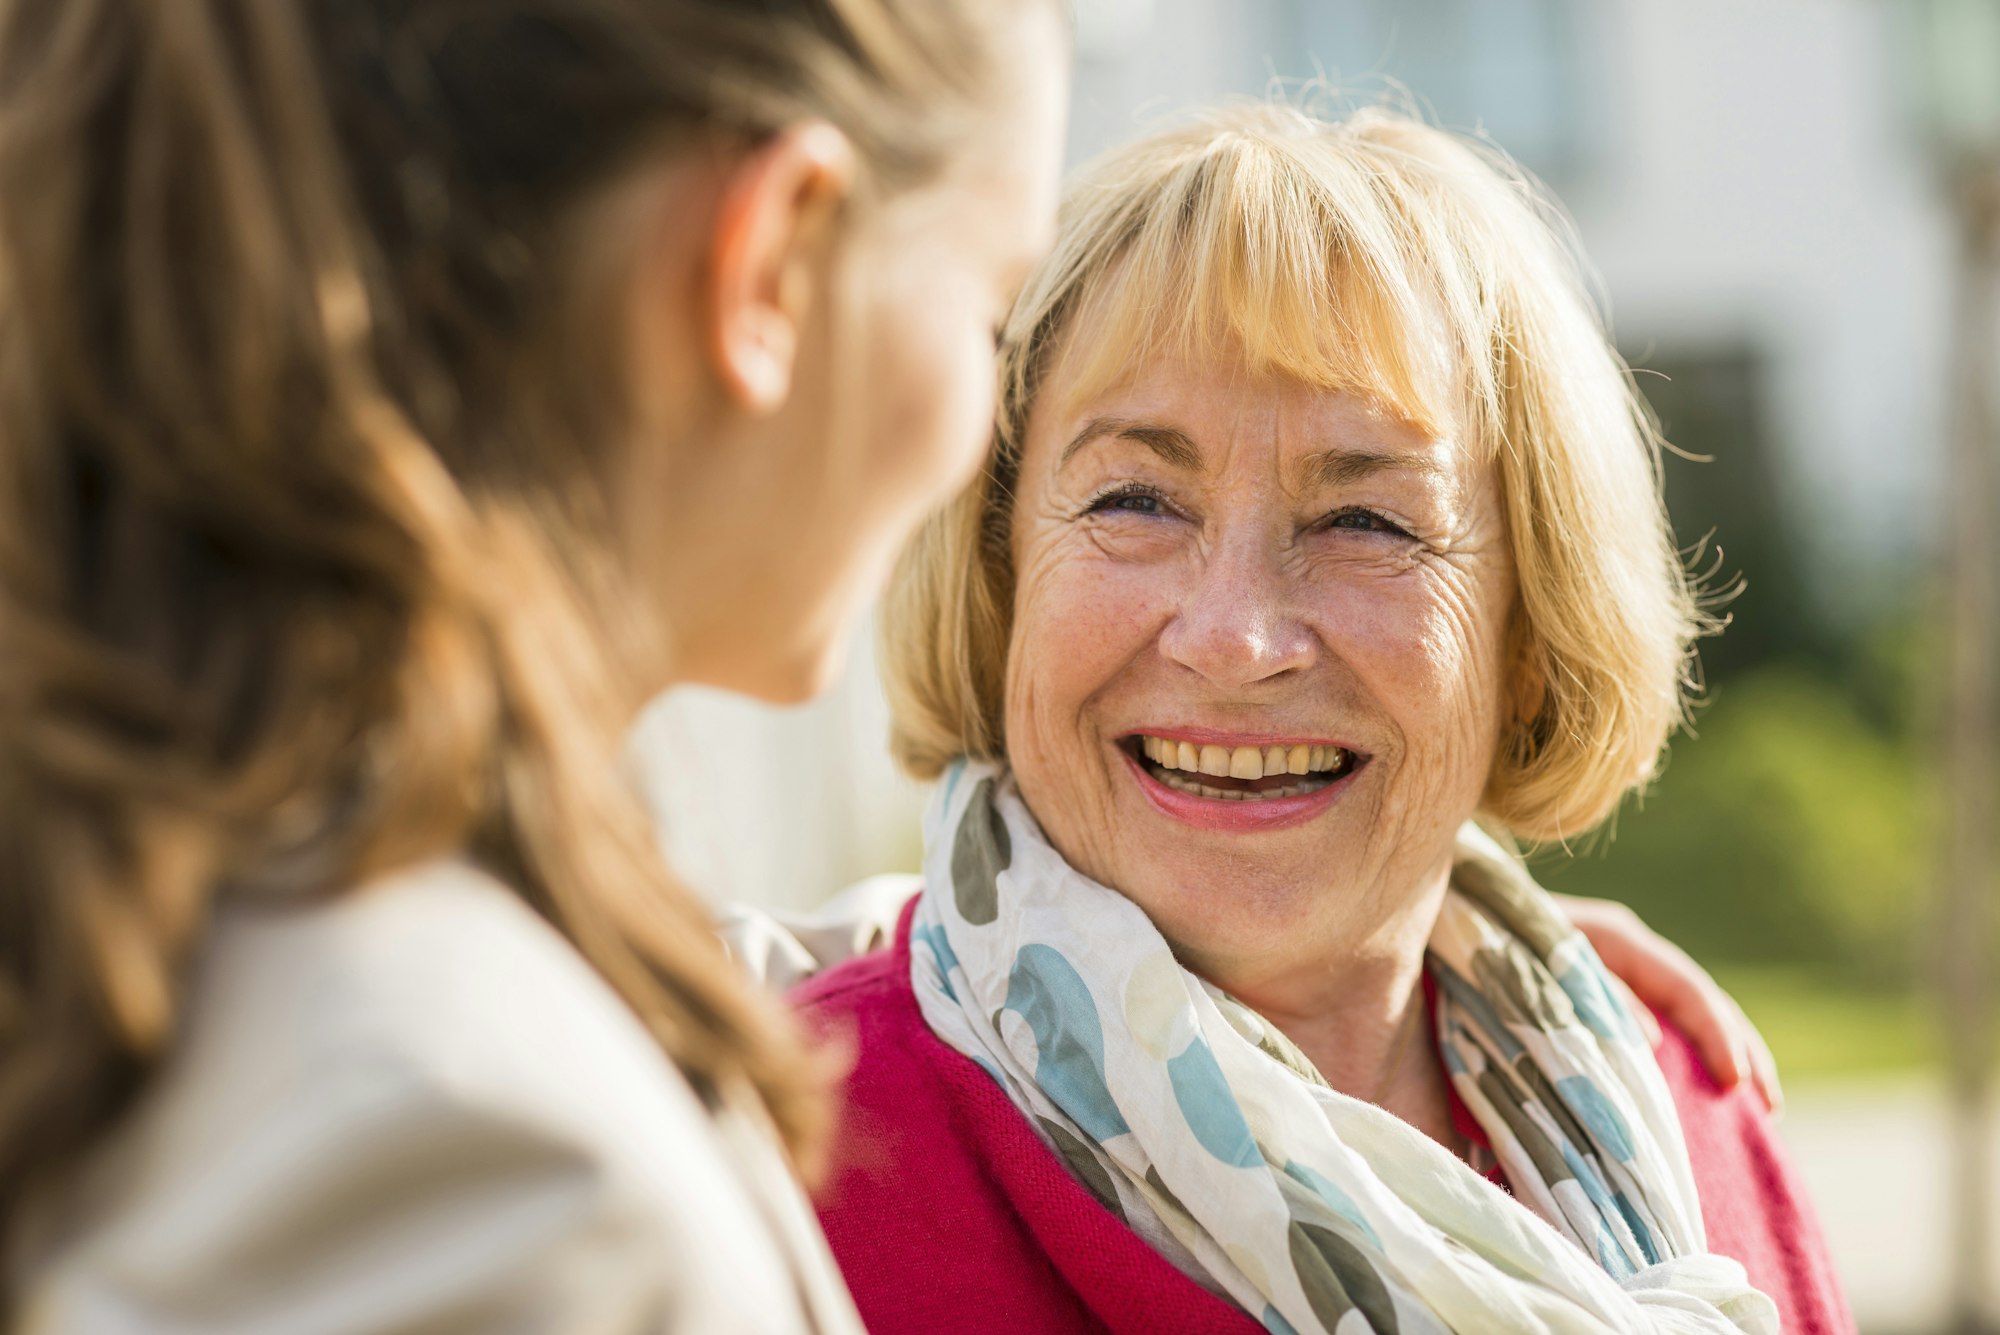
(1336, 260)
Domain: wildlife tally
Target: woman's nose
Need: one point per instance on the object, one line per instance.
(1238, 624)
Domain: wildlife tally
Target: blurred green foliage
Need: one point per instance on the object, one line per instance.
(1819, 1028)
(1792, 829)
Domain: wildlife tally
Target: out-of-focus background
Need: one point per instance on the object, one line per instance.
(1776, 194)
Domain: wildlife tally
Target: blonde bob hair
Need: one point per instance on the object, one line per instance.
(1338, 253)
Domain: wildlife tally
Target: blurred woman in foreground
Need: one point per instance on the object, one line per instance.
(395, 394)
(1320, 556)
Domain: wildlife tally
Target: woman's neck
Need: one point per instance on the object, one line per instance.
(1381, 1052)
(1357, 1010)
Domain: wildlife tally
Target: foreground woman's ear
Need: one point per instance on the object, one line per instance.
(773, 236)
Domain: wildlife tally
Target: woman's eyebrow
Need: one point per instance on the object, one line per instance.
(1339, 468)
(1171, 444)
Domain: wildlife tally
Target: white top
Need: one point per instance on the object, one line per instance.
(415, 1107)
(782, 950)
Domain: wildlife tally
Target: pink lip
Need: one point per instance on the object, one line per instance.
(1223, 816)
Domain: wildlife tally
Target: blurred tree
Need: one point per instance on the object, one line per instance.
(1789, 831)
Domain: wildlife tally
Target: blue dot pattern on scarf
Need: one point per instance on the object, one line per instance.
(933, 936)
(951, 780)
(1045, 990)
(1274, 1322)
(1588, 1102)
(1650, 1248)
(1210, 1109)
(1467, 996)
(1595, 1006)
(1611, 1258)
(1111, 1050)
(1587, 1177)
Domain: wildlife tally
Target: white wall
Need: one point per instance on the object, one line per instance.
(1764, 182)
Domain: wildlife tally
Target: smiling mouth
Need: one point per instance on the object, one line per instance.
(1240, 773)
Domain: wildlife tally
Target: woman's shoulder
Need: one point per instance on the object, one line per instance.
(439, 973)
(904, 1080)
(414, 1104)
(906, 1086)
(866, 984)
(1753, 1202)
(869, 1000)
(944, 1207)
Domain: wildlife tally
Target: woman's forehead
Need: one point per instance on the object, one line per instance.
(1213, 394)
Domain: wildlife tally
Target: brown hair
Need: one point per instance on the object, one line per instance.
(1327, 249)
(297, 464)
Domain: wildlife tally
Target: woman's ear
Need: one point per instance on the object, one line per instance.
(774, 228)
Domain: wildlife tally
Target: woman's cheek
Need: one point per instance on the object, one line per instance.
(1431, 667)
(1069, 617)
(1074, 637)
(1380, 631)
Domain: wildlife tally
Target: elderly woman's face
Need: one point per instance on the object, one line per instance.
(1257, 674)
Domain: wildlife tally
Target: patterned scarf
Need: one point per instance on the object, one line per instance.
(1210, 1134)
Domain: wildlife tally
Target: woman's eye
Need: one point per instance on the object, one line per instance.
(1364, 521)
(1131, 500)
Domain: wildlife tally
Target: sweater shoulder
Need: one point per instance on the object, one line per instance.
(869, 1003)
(901, 1087)
(1753, 1201)
(869, 982)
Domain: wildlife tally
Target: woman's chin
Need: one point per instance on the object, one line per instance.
(1222, 919)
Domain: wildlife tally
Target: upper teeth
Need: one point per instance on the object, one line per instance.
(1241, 762)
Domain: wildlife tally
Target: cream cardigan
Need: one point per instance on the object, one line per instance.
(416, 1108)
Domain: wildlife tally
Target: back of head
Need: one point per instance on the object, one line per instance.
(1375, 255)
(302, 417)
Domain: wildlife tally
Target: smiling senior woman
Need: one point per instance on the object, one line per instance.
(1322, 536)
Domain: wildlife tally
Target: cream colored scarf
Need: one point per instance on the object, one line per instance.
(1212, 1135)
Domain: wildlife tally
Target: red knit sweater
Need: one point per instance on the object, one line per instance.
(947, 1213)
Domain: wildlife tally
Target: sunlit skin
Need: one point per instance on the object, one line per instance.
(815, 369)
(1203, 550)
